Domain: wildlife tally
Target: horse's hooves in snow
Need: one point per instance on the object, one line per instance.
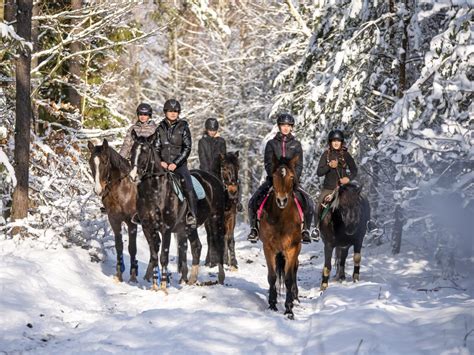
(290, 315)
(324, 286)
(273, 307)
(118, 278)
(355, 278)
(234, 268)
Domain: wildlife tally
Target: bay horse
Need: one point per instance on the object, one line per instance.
(280, 233)
(162, 212)
(228, 166)
(111, 182)
(343, 224)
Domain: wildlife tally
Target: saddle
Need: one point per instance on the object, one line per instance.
(178, 188)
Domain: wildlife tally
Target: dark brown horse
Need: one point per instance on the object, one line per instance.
(162, 212)
(229, 171)
(111, 182)
(343, 224)
(280, 233)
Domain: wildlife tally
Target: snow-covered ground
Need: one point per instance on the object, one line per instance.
(54, 300)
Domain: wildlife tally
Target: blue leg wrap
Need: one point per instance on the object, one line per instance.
(121, 263)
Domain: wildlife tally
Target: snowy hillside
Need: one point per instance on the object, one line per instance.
(54, 300)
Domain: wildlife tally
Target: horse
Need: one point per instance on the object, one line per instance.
(228, 166)
(118, 193)
(280, 233)
(161, 211)
(343, 224)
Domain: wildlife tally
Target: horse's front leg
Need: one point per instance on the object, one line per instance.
(120, 266)
(231, 244)
(196, 248)
(132, 250)
(328, 249)
(182, 258)
(341, 256)
(357, 258)
(165, 253)
(153, 271)
(271, 277)
(291, 267)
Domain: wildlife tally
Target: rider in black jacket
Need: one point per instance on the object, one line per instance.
(210, 146)
(285, 145)
(173, 144)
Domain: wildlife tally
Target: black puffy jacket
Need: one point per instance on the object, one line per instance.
(283, 146)
(332, 176)
(209, 149)
(173, 141)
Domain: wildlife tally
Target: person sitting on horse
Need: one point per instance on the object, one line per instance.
(283, 145)
(144, 126)
(173, 145)
(210, 147)
(333, 165)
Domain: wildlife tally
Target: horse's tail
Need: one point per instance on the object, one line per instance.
(280, 271)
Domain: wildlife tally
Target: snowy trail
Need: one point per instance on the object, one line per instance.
(56, 301)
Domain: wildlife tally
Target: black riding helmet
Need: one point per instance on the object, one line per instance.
(285, 118)
(172, 105)
(335, 135)
(211, 124)
(144, 109)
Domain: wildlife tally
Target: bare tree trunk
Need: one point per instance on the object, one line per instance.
(23, 115)
(403, 55)
(74, 64)
(397, 230)
(10, 10)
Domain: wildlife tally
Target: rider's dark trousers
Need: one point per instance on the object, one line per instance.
(189, 192)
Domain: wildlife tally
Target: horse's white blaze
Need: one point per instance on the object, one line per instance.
(98, 186)
(133, 173)
(283, 172)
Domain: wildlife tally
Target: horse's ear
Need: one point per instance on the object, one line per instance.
(91, 146)
(236, 154)
(275, 163)
(134, 135)
(105, 143)
(294, 161)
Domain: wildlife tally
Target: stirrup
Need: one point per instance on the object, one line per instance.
(315, 235)
(191, 220)
(305, 237)
(135, 219)
(253, 235)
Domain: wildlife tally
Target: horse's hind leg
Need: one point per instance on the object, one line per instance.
(182, 259)
(196, 247)
(231, 244)
(341, 255)
(357, 258)
(328, 249)
(209, 247)
(120, 266)
(132, 250)
(152, 271)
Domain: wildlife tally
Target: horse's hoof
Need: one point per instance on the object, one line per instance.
(324, 286)
(133, 280)
(290, 315)
(355, 277)
(118, 278)
(234, 268)
(273, 307)
(183, 281)
(155, 288)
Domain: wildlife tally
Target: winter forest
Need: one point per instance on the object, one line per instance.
(396, 76)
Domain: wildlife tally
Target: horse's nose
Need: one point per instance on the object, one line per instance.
(282, 202)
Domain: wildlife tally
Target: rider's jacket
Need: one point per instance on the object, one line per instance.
(332, 176)
(209, 149)
(286, 146)
(141, 129)
(173, 141)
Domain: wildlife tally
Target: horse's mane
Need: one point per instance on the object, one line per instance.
(118, 161)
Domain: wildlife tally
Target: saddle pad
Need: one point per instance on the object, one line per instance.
(200, 192)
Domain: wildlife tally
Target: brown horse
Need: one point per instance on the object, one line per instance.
(119, 195)
(229, 169)
(280, 233)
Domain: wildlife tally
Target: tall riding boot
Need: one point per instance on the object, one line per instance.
(191, 216)
(308, 209)
(253, 236)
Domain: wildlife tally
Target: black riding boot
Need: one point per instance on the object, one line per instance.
(253, 235)
(191, 216)
(308, 208)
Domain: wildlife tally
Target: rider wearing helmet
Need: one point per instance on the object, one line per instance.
(173, 144)
(143, 127)
(333, 165)
(210, 146)
(283, 145)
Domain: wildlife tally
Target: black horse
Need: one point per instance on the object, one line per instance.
(162, 211)
(119, 194)
(343, 224)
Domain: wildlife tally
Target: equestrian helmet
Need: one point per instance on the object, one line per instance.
(212, 124)
(144, 109)
(285, 118)
(172, 105)
(336, 135)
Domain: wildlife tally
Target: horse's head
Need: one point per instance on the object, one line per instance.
(284, 178)
(142, 155)
(350, 207)
(229, 167)
(99, 163)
